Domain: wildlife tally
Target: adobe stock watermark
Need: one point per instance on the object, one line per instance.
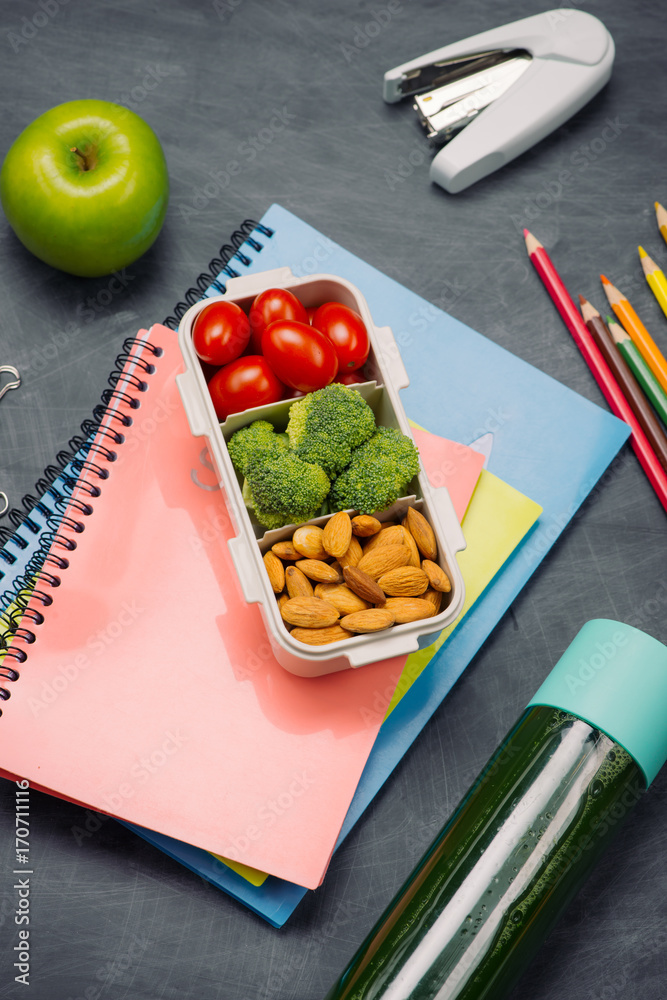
(588, 490)
(143, 428)
(587, 669)
(651, 608)
(249, 150)
(565, 10)
(274, 986)
(238, 843)
(151, 80)
(30, 26)
(113, 970)
(41, 358)
(407, 163)
(313, 263)
(225, 8)
(144, 767)
(96, 643)
(380, 19)
(551, 191)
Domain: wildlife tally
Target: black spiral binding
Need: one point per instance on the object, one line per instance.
(38, 577)
(88, 457)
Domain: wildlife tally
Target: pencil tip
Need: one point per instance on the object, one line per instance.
(526, 233)
(642, 252)
(605, 281)
(582, 300)
(657, 205)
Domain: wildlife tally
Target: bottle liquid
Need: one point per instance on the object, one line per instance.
(480, 902)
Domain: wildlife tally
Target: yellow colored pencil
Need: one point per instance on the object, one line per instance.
(634, 326)
(661, 218)
(657, 281)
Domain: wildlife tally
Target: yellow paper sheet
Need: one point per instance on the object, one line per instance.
(497, 519)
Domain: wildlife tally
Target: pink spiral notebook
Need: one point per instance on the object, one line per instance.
(150, 691)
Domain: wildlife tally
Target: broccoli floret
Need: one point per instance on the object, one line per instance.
(378, 474)
(283, 489)
(248, 443)
(389, 442)
(325, 426)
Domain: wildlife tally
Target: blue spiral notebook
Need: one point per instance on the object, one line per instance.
(546, 441)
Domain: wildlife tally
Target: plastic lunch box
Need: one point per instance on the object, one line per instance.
(387, 373)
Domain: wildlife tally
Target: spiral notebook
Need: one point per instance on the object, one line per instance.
(547, 441)
(149, 689)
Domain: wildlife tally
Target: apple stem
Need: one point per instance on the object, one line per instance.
(83, 161)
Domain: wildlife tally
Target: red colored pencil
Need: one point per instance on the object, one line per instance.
(597, 364)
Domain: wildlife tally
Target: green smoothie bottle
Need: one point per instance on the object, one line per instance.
(556, 792)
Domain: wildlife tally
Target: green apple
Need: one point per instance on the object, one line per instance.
(85, 187)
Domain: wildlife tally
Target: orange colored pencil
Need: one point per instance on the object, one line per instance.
(638, 332)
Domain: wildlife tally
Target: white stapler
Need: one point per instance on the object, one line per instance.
(530, 76)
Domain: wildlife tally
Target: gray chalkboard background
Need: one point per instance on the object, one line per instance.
(113, 917)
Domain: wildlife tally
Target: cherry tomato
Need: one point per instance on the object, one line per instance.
(269, 306)
(311, 310)
(301, 356)
(245, 382)
(221, 333)
(346, 330)
(351, 378)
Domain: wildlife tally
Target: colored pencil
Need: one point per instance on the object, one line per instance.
(647, 380)
(598, 366)
(630, 388)
(657, 282)
(634, 326)
(661, 218)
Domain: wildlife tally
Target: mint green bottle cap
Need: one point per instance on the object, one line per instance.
(614, 677)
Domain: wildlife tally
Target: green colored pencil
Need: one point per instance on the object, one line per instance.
(647, 380)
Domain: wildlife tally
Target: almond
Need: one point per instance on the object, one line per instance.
(308, 541)
(383, 558)
(422, 532)
(353, 554)
(309, 612)
(363, 585)
(297, 583)
(341, 597)
(409, 609)
(363, 525)
(337, 534)
(320, 636)
(405, 581)
(373, 620)
(435, 597)
(281, 600)
(437, 577)
(285, 550)
(275, 571)
(415, 557)
(317, 569)
(392, 535)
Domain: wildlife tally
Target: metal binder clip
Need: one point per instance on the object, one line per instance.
(10, 370)
(490, 97)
